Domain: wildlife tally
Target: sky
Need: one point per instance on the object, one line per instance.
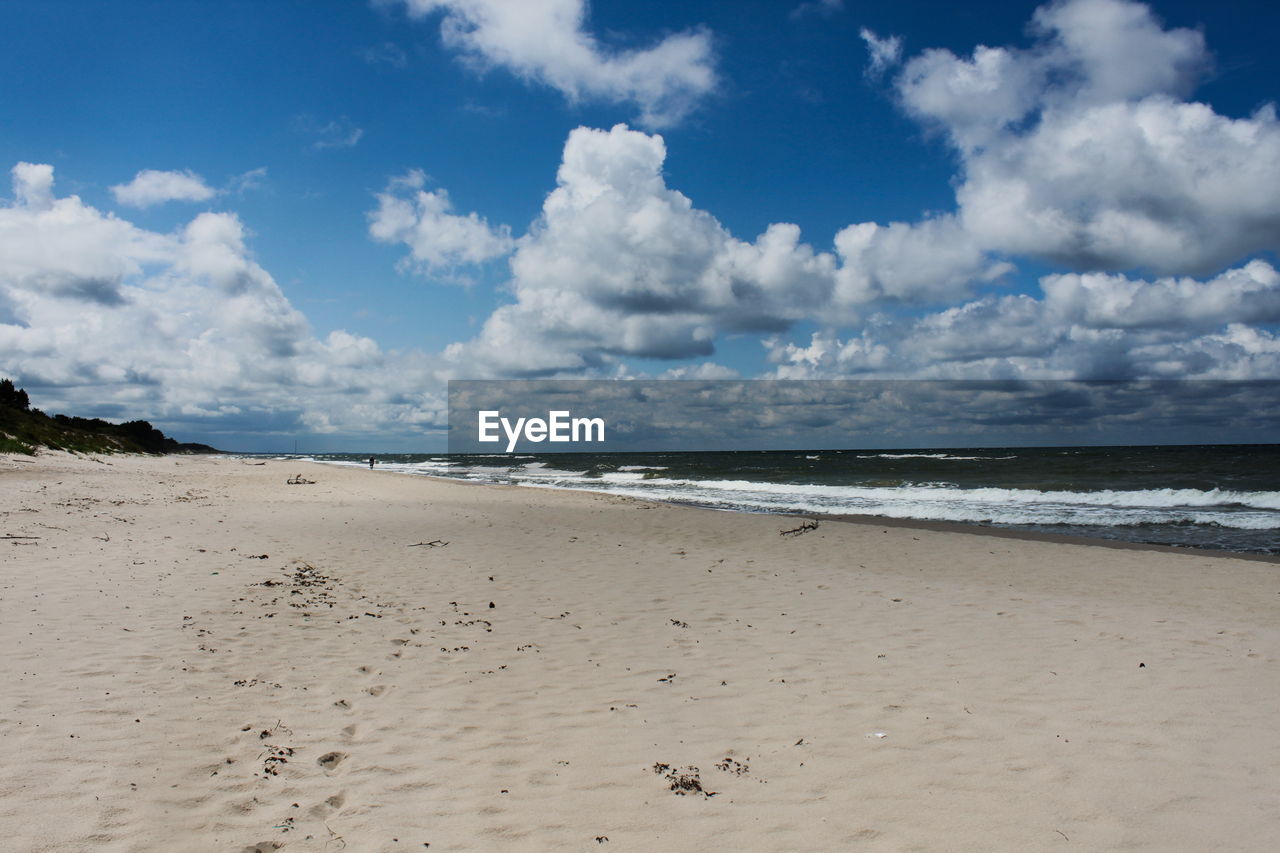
(256, 224)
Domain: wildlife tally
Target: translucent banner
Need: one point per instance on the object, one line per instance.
(589, 416)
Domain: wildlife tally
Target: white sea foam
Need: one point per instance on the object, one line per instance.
(903, 456)
(949, 457)
(1107, 508)
(542, 470)
(1148, 498)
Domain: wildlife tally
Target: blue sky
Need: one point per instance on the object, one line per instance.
(253, 222)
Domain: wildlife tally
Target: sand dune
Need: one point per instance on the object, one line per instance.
(199, 656)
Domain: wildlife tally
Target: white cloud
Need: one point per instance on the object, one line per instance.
(96, 312)
(546, 41)
(1093, 326)
(1168, 186)
(619, 264)
(1068, 154)
(1080, 151)
(1248, 294)
(974, 100)
(151, 187)
(62, 248)
(247, 181)
(327, 135)
(703, 370)
(884, 53)
(437, 239)
(33, 185)
(932, 260)
(1103, 51)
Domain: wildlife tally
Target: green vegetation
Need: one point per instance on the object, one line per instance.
(23, 429)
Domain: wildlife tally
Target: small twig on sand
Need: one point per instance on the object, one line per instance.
(12, 536)
(335, 837)
(434, 543)
(300, 480)
(803, 528)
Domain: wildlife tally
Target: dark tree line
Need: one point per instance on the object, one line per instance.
(24, 425)
(13, 398)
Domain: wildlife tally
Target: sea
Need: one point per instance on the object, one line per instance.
(1221, 497)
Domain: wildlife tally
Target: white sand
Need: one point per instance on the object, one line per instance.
(150, 675)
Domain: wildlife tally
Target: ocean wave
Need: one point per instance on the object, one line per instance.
(1168, 508)
(949, 457)
(621, 476)
(901, 504)
(1106, 508)
(1136, 498)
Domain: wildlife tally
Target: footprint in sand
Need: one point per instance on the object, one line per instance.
(329, 806)
(264, 847)
(377, 690)
(350, 731)
(330, 760)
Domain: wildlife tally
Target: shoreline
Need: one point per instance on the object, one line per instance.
(201, 656)
(972, 528)
(977, 529)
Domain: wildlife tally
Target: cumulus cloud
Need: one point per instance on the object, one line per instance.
(1077, 150)
(33, 185)
(102, 315)
(1104, 51)
(546, 41)
(931, 260)
(1080, 149)
(437, 238)
(1090, 326)
(1249, 294)
(619, 264)
(1167, 186)
(151, 187)
(61, 248)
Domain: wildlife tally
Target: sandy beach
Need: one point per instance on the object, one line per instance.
(200, 656)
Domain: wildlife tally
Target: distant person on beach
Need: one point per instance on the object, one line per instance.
(372, 459)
